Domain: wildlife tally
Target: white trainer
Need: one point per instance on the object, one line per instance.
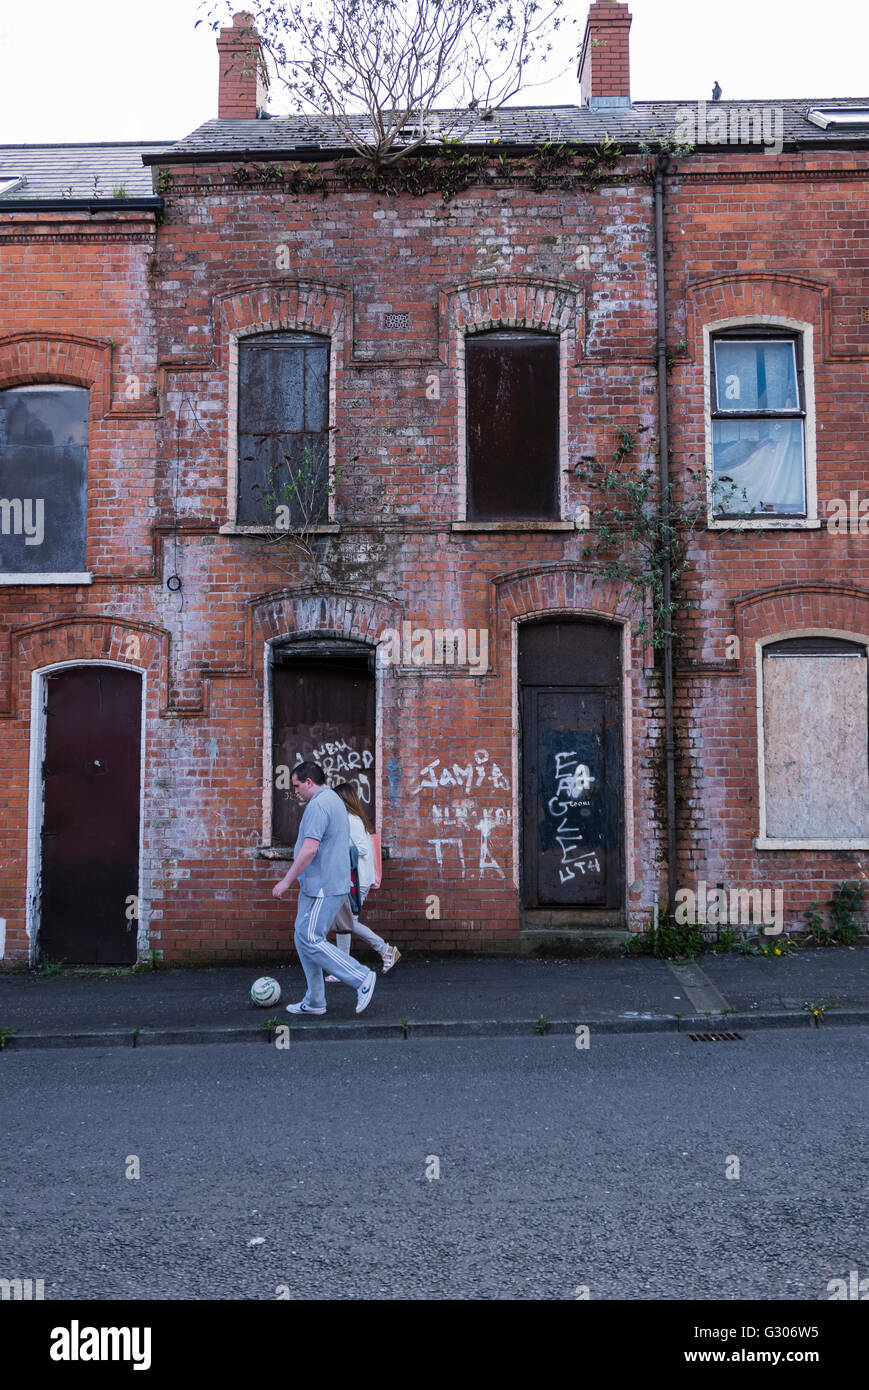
(365, 991)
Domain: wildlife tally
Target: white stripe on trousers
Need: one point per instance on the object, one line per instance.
(334, 954)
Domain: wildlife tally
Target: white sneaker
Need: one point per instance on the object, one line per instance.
(331, 980)
(390, 957)
(303, 1008)
(365, 991)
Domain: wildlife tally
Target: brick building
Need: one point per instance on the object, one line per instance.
(317, 437)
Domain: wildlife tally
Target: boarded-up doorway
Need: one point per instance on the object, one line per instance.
(572, 765)
(324, 709)
(91, 781)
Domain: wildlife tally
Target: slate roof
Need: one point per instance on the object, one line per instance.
(55, 172)
(523, 125)
(68, 171)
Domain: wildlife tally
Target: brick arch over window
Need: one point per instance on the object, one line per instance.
(761, 298)
(301, 306)
(525, 594)
(305, 611)
(800, 608)
(141, 646)
(482, 305)
(27, 359)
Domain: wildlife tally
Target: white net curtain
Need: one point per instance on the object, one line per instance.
(758, 462)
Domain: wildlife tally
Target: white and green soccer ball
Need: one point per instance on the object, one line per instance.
(265, 991)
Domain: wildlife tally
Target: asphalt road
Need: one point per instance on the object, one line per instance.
(559, 1169)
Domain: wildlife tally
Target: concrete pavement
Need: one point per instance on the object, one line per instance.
(442, 997)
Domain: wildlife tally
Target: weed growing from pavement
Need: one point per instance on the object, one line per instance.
(818, 1011)
(542, 1024)
(4, 1034)
(669, 940)
(846, 899)
(47, 966)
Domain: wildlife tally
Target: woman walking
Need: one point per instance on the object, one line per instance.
(345, 923)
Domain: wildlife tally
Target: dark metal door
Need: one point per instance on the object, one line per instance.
(571, 766)
(324, 709)
(90, 832)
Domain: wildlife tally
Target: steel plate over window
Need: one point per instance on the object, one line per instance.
(512, 415)
(283, 429)
(43, 479)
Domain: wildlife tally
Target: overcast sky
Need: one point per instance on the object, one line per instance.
(110, 70)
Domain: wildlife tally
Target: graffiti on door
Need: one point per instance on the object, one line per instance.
(574, 785)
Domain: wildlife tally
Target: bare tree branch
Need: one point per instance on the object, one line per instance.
(366, 70)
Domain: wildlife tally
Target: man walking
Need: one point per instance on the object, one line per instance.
(321, 863)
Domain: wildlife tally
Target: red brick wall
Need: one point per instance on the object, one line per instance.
(100, 310)
(75, 309)
(769, 239)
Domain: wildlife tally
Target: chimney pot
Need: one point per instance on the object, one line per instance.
(604, 64)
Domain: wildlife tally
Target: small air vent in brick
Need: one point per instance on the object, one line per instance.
(865, 313)
(396, 320)
(716, 1037)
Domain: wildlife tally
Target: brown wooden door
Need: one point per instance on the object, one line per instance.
(90, 830)
(324, 710)
(571, 766)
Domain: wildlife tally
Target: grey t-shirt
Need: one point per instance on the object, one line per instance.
(325, 819)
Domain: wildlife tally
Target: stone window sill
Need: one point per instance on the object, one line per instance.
(513, 526)
(232, 529)
(810, 844)
(84, 577)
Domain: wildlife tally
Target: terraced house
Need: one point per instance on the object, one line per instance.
(301, 458)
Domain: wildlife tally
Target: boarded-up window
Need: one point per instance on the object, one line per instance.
(512, 415)
(43, 479)
(323, 710)
(283, 430)
(816, 723)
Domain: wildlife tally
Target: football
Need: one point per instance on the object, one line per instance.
(265, 991)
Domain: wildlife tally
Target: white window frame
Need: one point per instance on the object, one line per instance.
(811, 521)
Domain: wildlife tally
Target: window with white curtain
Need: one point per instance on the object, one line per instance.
(758, 426)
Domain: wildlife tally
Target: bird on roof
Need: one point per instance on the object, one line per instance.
(716, 92)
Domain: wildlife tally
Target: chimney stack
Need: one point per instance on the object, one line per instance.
(604, 64)
(244, 82)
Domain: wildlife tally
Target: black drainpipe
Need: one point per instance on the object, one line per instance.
(661, 167)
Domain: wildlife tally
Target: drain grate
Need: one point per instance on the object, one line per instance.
(716, 1037)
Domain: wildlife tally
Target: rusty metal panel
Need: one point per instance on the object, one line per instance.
(90, 834)
(43, 479)
(570, 652)
(283, 419)
(512, 426)
(324, 709)
(816, 765)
